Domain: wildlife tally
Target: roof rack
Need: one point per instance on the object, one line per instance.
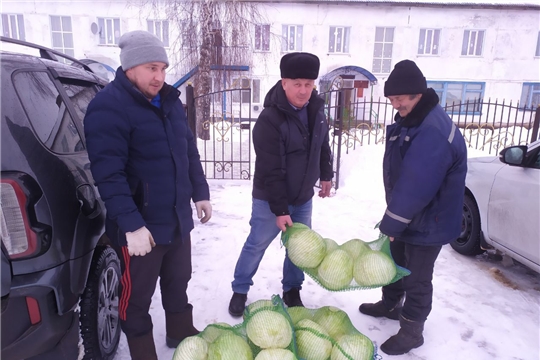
(45, 52)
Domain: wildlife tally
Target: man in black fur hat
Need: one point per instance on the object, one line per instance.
(424, 168)
(292, 153)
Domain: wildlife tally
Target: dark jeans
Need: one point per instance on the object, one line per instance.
(172, 264)
(416, 287)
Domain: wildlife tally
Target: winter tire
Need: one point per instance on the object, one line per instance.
(100, 326)
(468, 242)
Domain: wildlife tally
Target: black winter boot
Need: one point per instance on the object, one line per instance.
(179, 326)
(292, 297)
(408, 337)
(237, 304)
(142, 347)
(379, 309)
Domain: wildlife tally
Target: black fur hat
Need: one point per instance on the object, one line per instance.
(299, 65)
(405, 79)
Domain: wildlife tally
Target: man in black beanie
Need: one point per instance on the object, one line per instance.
(424, 168)
(292, 150)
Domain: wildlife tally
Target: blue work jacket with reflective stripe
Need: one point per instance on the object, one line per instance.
(424, 169)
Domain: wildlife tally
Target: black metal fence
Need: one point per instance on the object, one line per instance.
(486, 125)
(222, 123)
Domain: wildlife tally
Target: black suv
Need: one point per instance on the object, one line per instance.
(59, 275)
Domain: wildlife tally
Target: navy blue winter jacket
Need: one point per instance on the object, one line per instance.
(290, 158)
(424, 170)
(144, 161)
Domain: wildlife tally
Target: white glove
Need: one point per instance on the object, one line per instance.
(140, 242)
(203, 205)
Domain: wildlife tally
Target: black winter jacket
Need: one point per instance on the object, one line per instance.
(144, 160)
(289, 160)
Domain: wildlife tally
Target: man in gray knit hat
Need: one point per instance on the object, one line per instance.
(145, 163)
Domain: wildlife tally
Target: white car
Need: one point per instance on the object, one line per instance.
(501, 209)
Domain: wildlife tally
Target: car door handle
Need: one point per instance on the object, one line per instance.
(89, 204)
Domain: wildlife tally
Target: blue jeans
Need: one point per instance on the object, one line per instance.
(263, 232)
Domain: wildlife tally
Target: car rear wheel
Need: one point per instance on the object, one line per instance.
(468, 242)
(100, 327)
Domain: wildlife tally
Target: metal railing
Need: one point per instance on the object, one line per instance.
(221, 124)
(224, 127)
(489, 125)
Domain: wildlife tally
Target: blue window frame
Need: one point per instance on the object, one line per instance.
(455, 95)
(530, 96)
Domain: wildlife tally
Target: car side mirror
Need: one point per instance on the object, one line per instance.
(513, 155)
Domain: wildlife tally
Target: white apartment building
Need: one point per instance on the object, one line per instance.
(466, 49)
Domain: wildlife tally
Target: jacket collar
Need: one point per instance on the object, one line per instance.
(429, 100)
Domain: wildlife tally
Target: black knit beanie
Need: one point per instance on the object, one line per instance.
(299, 65)
(405, 79)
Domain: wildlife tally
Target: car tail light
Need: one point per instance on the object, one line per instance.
(18, 238)
(33, 310)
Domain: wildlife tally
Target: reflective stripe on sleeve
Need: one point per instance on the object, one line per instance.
(397, 217)
(452, 133)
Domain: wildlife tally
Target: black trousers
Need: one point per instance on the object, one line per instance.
(172, 264)
(417, 287)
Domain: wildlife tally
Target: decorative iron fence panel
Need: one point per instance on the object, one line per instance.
(487, 126)
(222, 124)
(225, 126)
(492, 126)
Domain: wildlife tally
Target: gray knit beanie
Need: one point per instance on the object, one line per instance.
(141, 47)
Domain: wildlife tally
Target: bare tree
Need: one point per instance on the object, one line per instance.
(208, 35)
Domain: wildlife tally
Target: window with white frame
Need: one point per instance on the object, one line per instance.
(251, 91)
(262, 37)
(382, 52)
(473, 42)
(109, 31)
(13, 26)
(459, 96)
(530, 96)
(338, 39)
(538, 45)
(62, 34)
(428, 44)
(160, 28)
(292, 38)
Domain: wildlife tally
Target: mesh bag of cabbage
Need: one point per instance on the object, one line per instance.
(265, 334)
(328, 333)
(352, 265)
(216, 341)
(268, 328)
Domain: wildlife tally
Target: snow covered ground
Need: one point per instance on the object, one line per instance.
(482, 310)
